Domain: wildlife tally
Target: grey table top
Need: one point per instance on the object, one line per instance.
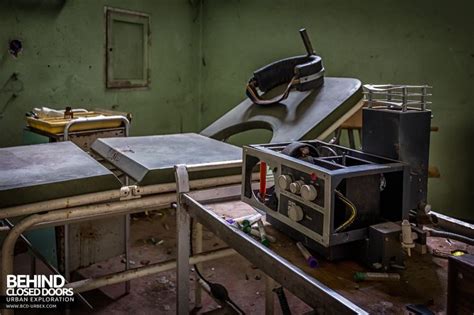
(303, 115)
(151, 159)
(41, 172)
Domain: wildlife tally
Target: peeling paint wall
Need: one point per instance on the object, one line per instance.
(203, 52)
(63, 63)
(377, 41)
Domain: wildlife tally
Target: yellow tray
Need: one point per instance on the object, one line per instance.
(55, 125)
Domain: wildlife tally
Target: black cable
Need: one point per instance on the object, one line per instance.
(235, 305)
(217, 290)
(285, 308)
(451, 235)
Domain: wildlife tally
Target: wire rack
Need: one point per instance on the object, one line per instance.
(397, 97)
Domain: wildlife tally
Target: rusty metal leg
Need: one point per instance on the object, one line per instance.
(197, 250)
(360, 135)
(337, 136)
(269, 302)
(127, 249)
(67, 272)
(126, 235)
(350, 133)
(66, 252)
(183, 221)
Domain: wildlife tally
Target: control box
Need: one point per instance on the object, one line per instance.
(324, 195)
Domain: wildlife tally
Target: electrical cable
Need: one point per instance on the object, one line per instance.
(217, 290)
(450, 235)
(256, 98)
(353, 208)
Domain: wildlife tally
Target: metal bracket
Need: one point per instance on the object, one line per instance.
(130, 192)
(182, 179)
(312, 77)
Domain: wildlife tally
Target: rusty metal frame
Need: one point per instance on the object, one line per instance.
(311, 291)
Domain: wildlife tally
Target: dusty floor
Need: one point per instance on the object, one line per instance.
(153, 240)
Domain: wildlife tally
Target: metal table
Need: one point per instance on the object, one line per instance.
(150, 160)
(86, 202)
(43, 172)
(308, 289)
(47, 171)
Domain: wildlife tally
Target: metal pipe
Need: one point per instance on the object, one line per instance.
(450, 235)
(60, 203)
(423, 98)
(451, 224)
(269, 302)
(92, 119)
(308, 289)
(404, 99)
(126, 235)
(194, 184)
(103, 196)
(213, 165)
(306, 42)
(67, 273)
(36, 254)
(198, 250)
(127, 249)
(114, 208)
(183, 221)
(217, 194)
(122, 276)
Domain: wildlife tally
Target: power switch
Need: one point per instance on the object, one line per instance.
(296, 186)
(308, 192)
(284, 182)
(295, 213)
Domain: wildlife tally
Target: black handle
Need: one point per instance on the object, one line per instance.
(306, 41)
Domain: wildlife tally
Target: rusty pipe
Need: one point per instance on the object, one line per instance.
(114, 208)
(122, 276)
(110, 195)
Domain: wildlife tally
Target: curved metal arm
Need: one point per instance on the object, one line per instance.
(92, 119)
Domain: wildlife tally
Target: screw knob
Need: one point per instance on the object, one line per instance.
(295, 213)
(308, 192)
(296, 186)
(284, 182)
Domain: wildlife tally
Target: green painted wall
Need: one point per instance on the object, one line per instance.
(63, 63)
(203, 53)
(377, 41)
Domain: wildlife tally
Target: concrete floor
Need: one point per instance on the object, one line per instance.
(153, 239)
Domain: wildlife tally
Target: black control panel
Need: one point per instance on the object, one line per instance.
(302, 214)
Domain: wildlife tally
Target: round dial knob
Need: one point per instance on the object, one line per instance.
(296, 186)
(308, 192)
(295, 213)
(284, 182)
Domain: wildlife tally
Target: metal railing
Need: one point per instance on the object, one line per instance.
(397, 97)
